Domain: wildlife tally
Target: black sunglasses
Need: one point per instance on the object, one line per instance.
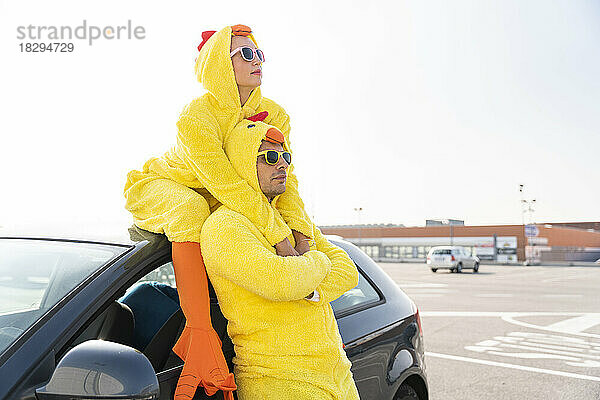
(272, 156)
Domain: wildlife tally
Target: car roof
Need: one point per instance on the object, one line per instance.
(103, 234)
(100, 232)
(97, 233)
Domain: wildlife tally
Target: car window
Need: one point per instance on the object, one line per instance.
(37, 274)
(153, 299)
(363, 293)
(136, 318)
(164, 274)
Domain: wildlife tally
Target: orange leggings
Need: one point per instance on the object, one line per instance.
(199, 345)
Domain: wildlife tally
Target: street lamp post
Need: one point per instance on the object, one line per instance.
(358, 211)
(449, 222)
(526, 207)
(522, 211)
(523, 223)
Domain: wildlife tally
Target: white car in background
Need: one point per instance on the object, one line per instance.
(454, 258)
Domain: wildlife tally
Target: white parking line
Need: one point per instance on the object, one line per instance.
(499, 295)
(513, 366)
(575, 325)
(499, 313)
(575, 352)
(571, 325)
(561, 296)
(550, 351)
(561, 278)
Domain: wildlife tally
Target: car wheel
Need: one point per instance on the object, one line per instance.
(459, 268)
(406, 392)
(476, 267)
(433, 269)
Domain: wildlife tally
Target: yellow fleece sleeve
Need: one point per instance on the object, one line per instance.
(343, 275)
(201, 149)
(232, 251)
(290, 204)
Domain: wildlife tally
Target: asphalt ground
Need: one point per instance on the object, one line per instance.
(508, 332)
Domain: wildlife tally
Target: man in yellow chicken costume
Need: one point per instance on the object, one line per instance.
(175, 193)
(286, 337)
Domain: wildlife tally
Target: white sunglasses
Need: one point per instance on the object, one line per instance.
(248, 53)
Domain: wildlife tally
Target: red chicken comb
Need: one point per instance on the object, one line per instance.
(259, 117)
(205, 36)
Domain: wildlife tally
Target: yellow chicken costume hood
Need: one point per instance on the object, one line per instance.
(243, 144)
(213, 65)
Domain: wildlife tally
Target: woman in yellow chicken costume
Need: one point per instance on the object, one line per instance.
(175, 193)
(288, 347)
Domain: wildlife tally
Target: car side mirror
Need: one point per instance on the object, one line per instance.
(98, 369)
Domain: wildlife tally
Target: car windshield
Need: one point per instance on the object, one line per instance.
(37, 274)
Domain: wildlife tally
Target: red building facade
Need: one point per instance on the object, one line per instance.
(504, 243)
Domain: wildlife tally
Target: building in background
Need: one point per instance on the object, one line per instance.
(556, 242)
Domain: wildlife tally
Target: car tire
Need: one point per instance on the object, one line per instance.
(433, 269)
(406, 392)
(476, 267)
(459, 268)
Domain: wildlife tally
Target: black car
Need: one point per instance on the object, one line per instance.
(59, 296)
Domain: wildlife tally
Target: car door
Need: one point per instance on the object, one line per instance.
(366, 368)
(460, 257)
(157, 274)
(157, 328)
(165, 323)
(469, 260)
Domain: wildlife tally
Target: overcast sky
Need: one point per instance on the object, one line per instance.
(408, 109)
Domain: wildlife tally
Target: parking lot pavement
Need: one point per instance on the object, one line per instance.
(508, 332)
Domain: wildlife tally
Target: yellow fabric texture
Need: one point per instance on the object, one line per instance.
(198, 163)
(276, 332)
(282, 389)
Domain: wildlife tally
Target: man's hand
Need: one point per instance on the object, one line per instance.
(285, 249)
(302, 242)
